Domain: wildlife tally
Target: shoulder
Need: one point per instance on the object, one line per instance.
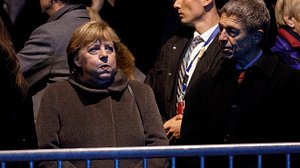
(141, 90)
(59, 86)
(277, 69)
(139, 86)
(175, 41)
(66, 22)
(183, 35)
(172, 50)
(77, 15)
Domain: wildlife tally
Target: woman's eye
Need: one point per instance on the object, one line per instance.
(94, 50)
(109, 49)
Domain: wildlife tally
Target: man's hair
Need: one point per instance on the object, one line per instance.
(253, 14)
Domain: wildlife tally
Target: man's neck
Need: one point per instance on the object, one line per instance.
(245, 60)
(54, 8)
(208, 21)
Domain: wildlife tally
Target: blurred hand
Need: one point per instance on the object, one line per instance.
(172, 127)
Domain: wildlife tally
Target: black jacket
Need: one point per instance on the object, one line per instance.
(163, 76)
(263, 109)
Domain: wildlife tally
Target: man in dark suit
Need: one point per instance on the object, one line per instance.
(261, 107)
(44, 58)
(202, 18)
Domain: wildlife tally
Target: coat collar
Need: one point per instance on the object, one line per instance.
(264, 65)
(119, 84)
(290, 36)
(65, 10)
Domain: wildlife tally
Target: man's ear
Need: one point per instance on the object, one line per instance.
(258, 35)
(289, 20)
(207, 3)
(77, 61)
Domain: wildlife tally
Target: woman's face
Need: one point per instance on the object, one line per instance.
(98, 62)
(293, 22)
(296, 21)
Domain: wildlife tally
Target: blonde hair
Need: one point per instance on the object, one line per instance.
(95, 30)
(94, 16)
(86, 34)
(289, 7)
(126, 61)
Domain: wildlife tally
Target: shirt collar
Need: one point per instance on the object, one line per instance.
(251, 62)
(206, 34)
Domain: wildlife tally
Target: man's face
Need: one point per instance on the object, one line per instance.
(189, 10)
(236, 42)
(45, 5)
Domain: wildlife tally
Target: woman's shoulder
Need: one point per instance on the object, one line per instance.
(139, 86)
(59, 85)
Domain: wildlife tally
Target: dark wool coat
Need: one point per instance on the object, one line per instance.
(73, 115)
(163, 76)
(265, 108)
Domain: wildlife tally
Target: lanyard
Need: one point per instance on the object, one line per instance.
(211, 37)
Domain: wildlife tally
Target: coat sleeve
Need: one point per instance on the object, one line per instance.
(36, 57)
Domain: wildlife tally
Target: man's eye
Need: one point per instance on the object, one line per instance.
(232, 33)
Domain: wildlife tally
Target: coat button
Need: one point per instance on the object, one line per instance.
(169, 74)
(174, 47)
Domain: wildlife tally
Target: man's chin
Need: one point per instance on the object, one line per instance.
(227, 54)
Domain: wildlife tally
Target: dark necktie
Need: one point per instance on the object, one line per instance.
(183, 78)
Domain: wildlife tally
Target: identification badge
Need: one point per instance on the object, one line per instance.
(180, 107)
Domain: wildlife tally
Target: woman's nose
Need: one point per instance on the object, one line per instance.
(103, 56)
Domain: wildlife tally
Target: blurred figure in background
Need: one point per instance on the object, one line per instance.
(287, 44)
(16, 117)
(23, 16)
(43, 58)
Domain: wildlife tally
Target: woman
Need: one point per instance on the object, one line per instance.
(98, 106)
(287, 43)
(16, 117)
(126, 60)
